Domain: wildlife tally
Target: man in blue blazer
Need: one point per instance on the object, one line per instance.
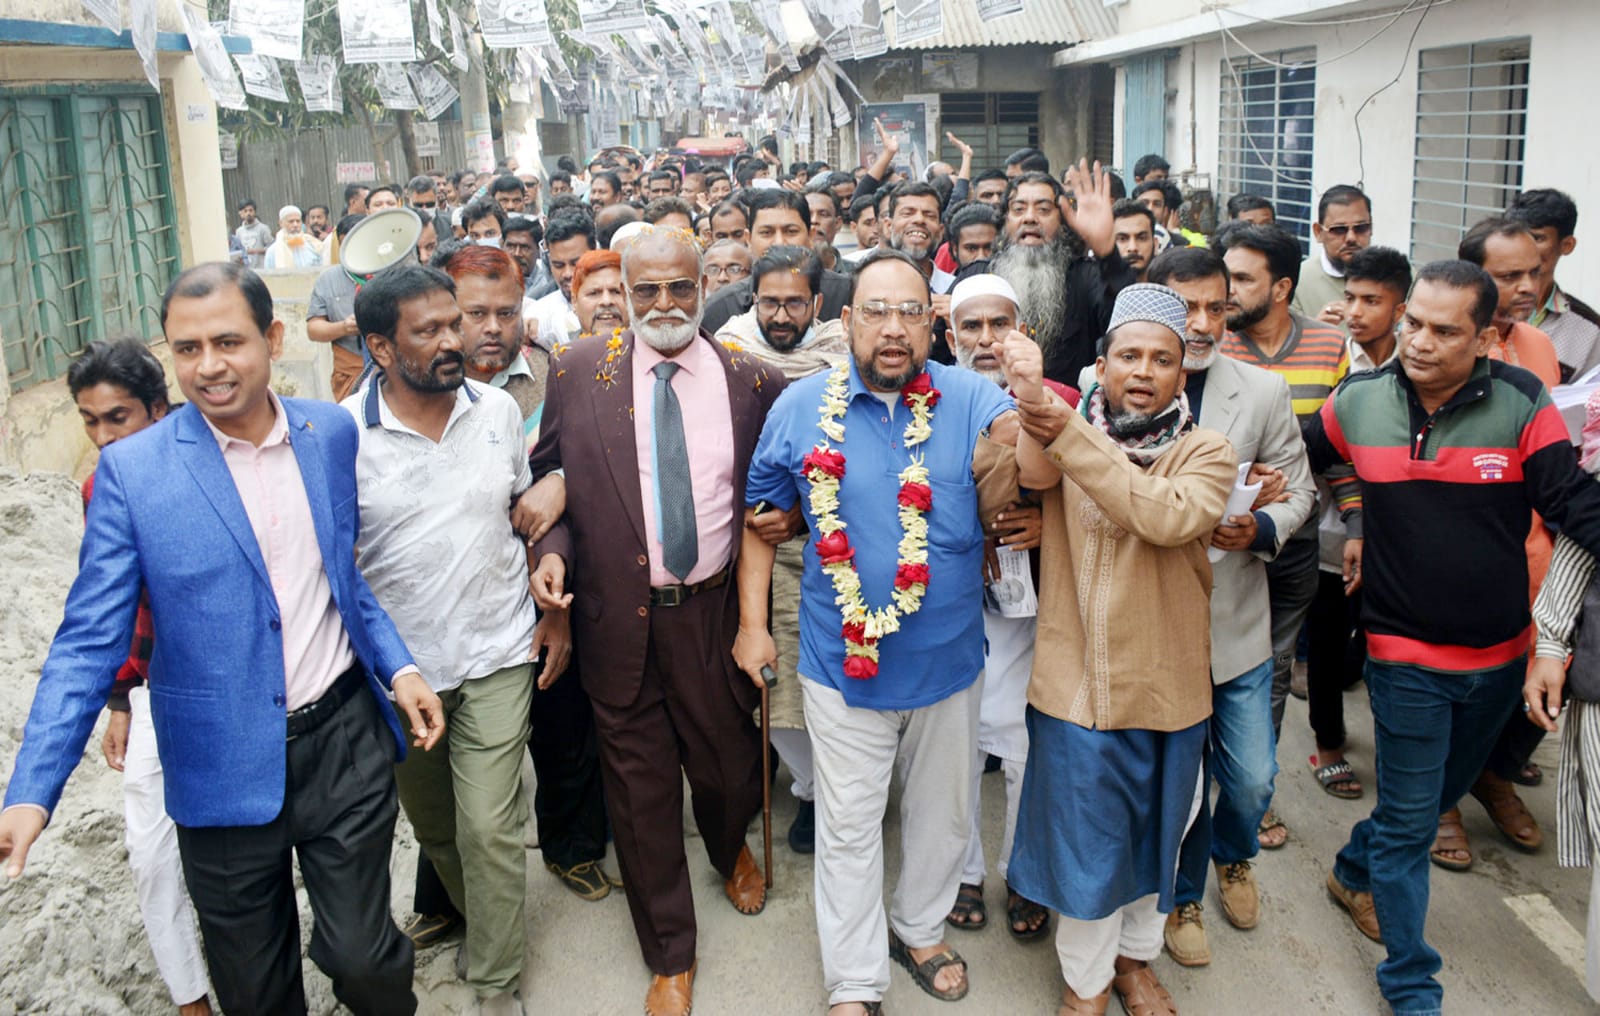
(271, 669)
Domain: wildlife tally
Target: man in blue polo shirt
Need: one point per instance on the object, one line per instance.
(895, 460)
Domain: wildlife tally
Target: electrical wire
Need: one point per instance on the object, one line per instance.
(1405, 58)
(1369, 40)
(1311, 22)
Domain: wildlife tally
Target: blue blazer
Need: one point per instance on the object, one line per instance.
(166, 517)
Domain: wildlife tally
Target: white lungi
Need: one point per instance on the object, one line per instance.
(1002, 730)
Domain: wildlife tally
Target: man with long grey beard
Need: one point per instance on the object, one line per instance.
(1044, 251)
(653, 537)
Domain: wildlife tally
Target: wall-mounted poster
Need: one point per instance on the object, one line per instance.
(949, 72)
(907, 121)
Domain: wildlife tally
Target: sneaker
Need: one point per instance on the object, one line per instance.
(430, 929)
(803, 830)
(586, 878)
(1241, 900)
(1185, 936)
(507, 1003)
(1362, 910)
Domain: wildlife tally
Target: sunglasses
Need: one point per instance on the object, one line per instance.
(1359, 229)
(649, 292)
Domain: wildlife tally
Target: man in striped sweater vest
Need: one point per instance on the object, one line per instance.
(1452, 450)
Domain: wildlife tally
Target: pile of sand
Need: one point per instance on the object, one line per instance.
(71, 940)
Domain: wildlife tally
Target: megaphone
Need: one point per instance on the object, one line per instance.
(378, 241)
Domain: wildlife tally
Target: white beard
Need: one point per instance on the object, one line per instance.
(667, 333)
(966, 358)
(1039, 276)
(1193, 363)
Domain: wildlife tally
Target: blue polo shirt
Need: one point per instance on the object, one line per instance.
(938, 651)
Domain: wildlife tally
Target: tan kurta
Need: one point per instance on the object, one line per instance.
(1125, 587)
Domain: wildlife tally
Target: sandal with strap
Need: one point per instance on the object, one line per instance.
(1269, 822)
(1508, 813)
(1141, 993)
(969, 913)
(1072, 1005)
(1337, 778)
(1452, 836)
(1035, 920)
(926, 972)
(1529, 775)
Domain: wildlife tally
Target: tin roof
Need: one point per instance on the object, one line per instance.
(1043, 22)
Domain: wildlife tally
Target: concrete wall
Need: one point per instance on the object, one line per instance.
(1560, 151)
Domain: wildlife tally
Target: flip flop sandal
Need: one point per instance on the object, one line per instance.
(1452, 836)
(924, 973)
(1529, 775)
(1269, 822)
(1336, 778)
(969, 913)
(1021, 910)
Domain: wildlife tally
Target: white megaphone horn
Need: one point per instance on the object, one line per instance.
(381, 239)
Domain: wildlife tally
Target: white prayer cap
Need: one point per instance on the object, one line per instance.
(627, 231)
(764, 183)
(286, 211)
(980, 285)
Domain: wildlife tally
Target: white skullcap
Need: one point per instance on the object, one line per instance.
(980, 285)
(286, 211)
(764, 183)
(627, 231)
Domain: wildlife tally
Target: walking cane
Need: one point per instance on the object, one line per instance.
(769, 677)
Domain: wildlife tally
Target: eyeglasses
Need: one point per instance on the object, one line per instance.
(1359, 229)
(649, 292)
(795, 305)
(732, 271)
(430, 205)
(875, 312)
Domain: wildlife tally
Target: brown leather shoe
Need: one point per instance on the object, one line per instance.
(1362, 910)
(1185, 936)
(671, 996)
(747, 889)
(1241, 900)
(1142, 994)
(1072, 1005)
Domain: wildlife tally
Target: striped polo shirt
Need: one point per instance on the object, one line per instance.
(1313, 361)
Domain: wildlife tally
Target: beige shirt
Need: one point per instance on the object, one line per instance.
(1125, 587)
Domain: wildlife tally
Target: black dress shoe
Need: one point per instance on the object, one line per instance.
(803, 830)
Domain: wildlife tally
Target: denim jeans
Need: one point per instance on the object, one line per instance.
(1242, 758)
(1433, 732)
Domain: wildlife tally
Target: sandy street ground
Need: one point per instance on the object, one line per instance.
(1511, 930)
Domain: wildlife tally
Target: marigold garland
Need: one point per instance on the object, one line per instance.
(863, 628)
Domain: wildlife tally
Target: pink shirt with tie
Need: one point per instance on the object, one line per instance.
(701, 385)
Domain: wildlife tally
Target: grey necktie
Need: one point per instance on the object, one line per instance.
(680, 542)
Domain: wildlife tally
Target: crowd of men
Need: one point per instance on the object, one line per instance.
(1014, 472)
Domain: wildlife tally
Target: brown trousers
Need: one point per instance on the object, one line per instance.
(686, 720)
(346, 370)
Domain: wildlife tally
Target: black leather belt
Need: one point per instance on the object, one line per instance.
(309, 717)
(674, 596)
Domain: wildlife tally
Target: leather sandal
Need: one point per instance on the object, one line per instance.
(969, 913)
(1452, 836)
(926, 973)
(1141, 993)
(1507, 812)
(1072, 1005)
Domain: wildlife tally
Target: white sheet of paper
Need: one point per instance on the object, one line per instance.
(1012, 594)
(1239, 502)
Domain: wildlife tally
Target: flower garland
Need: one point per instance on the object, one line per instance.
(824, 466)
(606, 370)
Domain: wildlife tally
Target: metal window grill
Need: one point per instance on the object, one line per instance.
(1472, 124)
(995, 124)
(1267, 121)
(88, 227)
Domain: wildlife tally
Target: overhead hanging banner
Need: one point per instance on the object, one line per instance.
(319, 83)
(988, 10)
(108, 12)
(212, 57)
(274, 27)
(394, 87)
(433, 89)
(142, 15)
(508, 24)
(916, 21)
(435, 22)
(261, 76)
(607, 16)
(376, 31)
(458, 43)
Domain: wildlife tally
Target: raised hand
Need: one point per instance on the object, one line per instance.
(1092, 218)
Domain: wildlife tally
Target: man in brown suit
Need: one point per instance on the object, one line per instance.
(654, 510)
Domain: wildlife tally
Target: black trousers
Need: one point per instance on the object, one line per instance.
(1335, 655)
(338, 818)
(569, 804)
(1515, 746)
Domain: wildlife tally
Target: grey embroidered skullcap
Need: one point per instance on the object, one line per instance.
(1146, 301)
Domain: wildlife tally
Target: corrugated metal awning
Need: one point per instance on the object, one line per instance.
(1043, 22)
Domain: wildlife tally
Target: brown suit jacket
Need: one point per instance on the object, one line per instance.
(587, 428)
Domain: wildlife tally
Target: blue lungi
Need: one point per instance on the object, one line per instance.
(1103, 814)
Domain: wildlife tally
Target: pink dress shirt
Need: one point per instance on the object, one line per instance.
(316, 649)
(701, 385)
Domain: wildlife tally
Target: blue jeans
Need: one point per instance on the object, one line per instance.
(1242, 758)
(1433, 731)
